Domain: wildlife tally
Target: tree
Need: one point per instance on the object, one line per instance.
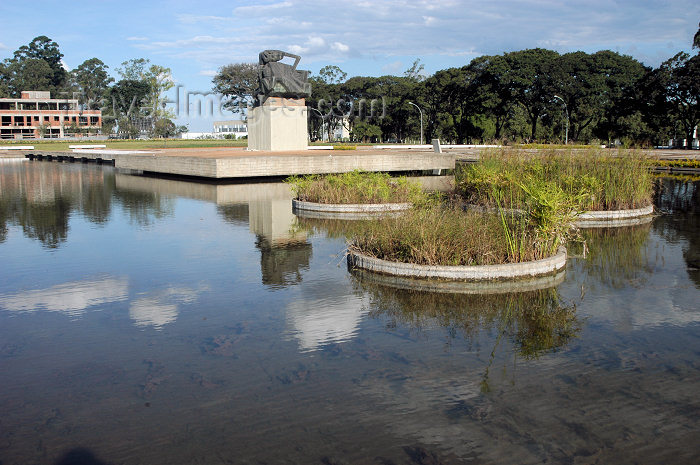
(159, 80)
(238, 82)
(133, 69)
(92, 79)
(332, 75)
(43, 48)
(366, 132)
(29, 74)
(415, 72)
(530, 75)
(4, 81)
(696, 39)
(681, 76)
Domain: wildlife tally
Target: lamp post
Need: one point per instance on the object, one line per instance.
(421, 121)
(566, 109)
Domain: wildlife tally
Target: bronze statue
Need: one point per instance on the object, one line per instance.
(277, 79)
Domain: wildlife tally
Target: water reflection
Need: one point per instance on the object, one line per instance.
(535, 322)
(40, 197)
(325, 320)
(72, 298)
(160, 307)
(679, 203)
(614, 256)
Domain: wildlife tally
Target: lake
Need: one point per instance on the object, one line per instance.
(160, 321)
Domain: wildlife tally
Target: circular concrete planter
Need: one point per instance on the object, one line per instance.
(460, 287)
(461, 273)
(346, 211)
(614, 218)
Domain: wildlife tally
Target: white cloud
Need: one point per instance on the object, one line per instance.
(340, 47)
(208, 72)
(137, 38)
(3, 46)
(261, 10)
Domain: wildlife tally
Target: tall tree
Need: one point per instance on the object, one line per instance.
(43, 48)
(696, 39)
(681, 76)
(133, 69)
(238, 82)
(530, 75)
(93, 81)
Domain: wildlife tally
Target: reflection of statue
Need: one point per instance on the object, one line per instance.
(277, 79)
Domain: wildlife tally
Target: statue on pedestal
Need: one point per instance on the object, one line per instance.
(277, 79)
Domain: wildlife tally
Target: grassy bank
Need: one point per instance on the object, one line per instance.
(355, 187)
(588, 180)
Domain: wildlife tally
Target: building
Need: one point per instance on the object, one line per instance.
(36, 115)
(236, 128)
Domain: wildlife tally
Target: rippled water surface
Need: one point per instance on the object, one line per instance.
(153, 321)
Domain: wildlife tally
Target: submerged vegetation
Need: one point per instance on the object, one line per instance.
(355, 187)
(585, 180)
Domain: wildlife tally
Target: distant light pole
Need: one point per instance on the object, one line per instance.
(566, 109)
(421, 121)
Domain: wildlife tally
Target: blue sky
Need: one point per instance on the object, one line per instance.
(362, 37)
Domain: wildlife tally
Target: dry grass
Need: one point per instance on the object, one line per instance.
(356, 187)
(445, 235)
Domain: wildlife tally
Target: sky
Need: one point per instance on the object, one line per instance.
(363, 38)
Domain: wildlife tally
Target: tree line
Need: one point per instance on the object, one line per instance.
(521, 96)
(131, 106)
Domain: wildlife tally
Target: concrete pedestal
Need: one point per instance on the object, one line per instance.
(279, 124)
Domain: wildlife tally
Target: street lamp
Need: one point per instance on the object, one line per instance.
(566, 109)
(421, 121)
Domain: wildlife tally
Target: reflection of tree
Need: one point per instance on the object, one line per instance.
(535, 322)
(47, 222)
(144, 207)
(615, 256)
(281, 264)
(40, 198)
(96, 199)
(681, 199)
(236, 214)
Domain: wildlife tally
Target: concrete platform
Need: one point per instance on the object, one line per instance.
(223, 163)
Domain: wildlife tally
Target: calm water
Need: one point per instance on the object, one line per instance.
(150, 321)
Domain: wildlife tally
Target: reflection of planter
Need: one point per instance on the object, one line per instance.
(614, 218)
(460, 287)
(346, 211)
(461, 273)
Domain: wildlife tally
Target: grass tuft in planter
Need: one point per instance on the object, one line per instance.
(356, 187)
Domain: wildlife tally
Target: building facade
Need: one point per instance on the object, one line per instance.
(236, 128)
(36, 115)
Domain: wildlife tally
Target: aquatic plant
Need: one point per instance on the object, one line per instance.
(355, 187)
(446, 235)
(593, 179)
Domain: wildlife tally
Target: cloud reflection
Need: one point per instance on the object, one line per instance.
(72, 298)
(317, 322)
(159, 308)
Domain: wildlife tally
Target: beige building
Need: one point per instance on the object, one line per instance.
(36, 115)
